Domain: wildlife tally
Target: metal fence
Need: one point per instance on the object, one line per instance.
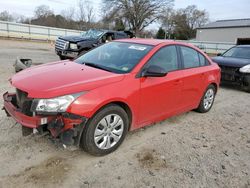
(210, 47)
(27, 31)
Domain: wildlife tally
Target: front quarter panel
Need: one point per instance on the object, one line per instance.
(125, 91)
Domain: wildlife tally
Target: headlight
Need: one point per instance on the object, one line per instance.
(58, 104)
(245, 69)
(73, 46)
(66, 45)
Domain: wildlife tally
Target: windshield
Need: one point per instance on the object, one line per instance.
(117, 57)
(95, 34)
(238, 52)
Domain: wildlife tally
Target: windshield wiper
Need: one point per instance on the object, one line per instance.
(97, 66)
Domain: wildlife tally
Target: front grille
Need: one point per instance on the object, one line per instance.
(23, 102)
(60, 44)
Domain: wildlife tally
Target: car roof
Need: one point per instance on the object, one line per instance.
(243, 46)
(153, 42)
(113, 31)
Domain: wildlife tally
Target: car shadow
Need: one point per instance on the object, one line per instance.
(231, 86)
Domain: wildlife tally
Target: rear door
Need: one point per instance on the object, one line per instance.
(193, 76)
(160, 96)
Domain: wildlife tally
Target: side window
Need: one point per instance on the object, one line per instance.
(190, 57)
(165, 58)
(203, 60)
(120, 35)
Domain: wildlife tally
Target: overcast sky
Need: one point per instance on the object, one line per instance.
(217, 9)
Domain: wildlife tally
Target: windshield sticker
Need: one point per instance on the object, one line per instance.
(137, 48)
(125, 68)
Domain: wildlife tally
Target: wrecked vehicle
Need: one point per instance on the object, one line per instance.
(69, 47)
(93, 101)
(235, 66)
(21, 64)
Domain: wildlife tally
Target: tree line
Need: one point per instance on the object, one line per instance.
(135, 15)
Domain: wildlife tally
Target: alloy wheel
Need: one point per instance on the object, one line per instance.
(108, 131)
(208, 99)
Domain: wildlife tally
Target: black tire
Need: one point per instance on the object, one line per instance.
(26, 131)
(246, 88)
(87, 140)
(62, 57)
(82, 52)
(202, 107)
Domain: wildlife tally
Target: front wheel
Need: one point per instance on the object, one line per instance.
(246, 87)
(62, 57)
(207, 100)
(105, 132)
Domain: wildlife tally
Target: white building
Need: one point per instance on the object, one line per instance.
(236, 31)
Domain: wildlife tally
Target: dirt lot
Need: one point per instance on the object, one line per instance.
(190, 150)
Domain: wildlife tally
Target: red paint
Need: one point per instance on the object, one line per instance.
(149, 99)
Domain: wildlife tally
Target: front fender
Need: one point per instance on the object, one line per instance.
(122, 92)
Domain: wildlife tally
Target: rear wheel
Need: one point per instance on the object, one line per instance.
(26, 131)
(105, 132)
(207, 100)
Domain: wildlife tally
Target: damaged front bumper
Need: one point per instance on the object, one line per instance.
(65, 126)
(232, 74)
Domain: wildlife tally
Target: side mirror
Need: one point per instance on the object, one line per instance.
(219, 54)
(153, 71)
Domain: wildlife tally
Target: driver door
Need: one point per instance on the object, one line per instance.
(160, 96)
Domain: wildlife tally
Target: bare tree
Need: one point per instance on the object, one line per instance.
(85, 14)
(89, 11)
(43, 11)
(81, 11)
(195, 17)
(182, 23)
(19, 18)
(167, 20)
(138, 13)
(69, 14)
(6, 16)
(109, 17)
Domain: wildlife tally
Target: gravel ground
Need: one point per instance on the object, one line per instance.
(190, 150)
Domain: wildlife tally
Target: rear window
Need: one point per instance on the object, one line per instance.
(203, 60)
(120, 35)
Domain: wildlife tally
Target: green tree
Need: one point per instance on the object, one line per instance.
(160, 33)
(119, 25)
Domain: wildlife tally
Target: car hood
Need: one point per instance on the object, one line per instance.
(76, 39)
(61, 78)
(230, 61)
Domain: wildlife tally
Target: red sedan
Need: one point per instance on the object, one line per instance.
(95, 100)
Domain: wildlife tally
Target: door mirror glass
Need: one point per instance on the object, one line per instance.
(219, 54)
(153, 71)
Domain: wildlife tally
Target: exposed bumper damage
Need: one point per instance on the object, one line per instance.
(65, 126)
(67, 53)
(232, 74)
(21, 64)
